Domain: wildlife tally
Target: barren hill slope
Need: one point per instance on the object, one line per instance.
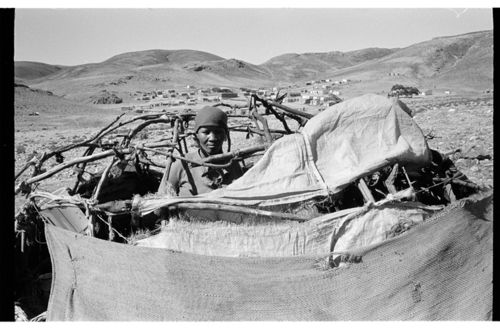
(141, 61)
(36, 109)
(146, 70)
(308, 65)
(26, 70)
(462, 62)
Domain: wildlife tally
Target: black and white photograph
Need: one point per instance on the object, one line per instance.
(282, 163)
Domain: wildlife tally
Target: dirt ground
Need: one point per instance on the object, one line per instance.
(452, 122)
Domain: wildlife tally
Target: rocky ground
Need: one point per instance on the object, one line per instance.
(457, 123)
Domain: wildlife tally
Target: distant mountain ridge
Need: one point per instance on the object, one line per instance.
(309, 65)
(463, 61)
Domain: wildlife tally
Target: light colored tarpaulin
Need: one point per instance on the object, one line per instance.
(339, 145)
(334, 232)
(439, 270)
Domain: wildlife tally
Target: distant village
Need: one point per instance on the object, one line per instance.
(322, 93)
(316, 92)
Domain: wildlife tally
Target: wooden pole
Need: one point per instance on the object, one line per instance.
(365, 191)
(102, 180)
(164, 184)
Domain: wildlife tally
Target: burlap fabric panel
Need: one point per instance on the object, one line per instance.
(439, 270)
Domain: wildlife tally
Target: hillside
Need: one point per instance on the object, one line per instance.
(146, 70)
(25, 70)
(307, 66)
(39, 109)
(463, 62)
(147, 61)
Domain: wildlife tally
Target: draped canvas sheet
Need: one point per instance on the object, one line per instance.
(355, 137)
(285, 174)
(439, 270)
(339, 145)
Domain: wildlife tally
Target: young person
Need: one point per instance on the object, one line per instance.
(189, 179)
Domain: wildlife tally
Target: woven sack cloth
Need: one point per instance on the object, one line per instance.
(439, 270)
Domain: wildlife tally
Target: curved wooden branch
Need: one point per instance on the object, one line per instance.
(80, 168)
(62, 166)
(103, 179)
(253, 130)
(79, 144)
(193, 205)
(279, 116)
(299, 116)
(196, 204)
(31, 162)
(236, 153)
(140, 127)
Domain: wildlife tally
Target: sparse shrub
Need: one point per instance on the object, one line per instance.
(400, 90)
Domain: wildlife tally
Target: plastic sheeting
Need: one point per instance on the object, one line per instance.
(438, 270)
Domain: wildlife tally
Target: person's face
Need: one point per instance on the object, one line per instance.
(210, 139)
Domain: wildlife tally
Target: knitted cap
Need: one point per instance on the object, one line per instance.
(210, 116)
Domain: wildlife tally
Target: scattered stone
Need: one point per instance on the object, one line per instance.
(451, 110)
(21, 149)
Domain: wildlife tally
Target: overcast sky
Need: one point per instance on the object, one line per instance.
(79, 36)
